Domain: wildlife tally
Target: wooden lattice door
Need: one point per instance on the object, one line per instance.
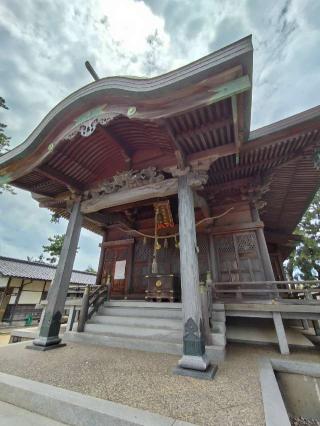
(118, 264)
(239, 258)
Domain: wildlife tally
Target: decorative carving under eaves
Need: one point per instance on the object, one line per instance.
(251, 190)
(254, 193)
(127, 180)
(196, 177)
(88, 127)
(87, 123)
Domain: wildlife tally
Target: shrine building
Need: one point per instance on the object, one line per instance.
(196, 211)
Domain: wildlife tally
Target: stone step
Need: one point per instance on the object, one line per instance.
(218, 339)
(138, 332)
(218, 327)
(218, 306)
(215, 353)
(142, 304)
(219, 316)
(164, 323)
(141, 312)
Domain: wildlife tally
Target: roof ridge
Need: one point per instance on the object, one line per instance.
(47, 265)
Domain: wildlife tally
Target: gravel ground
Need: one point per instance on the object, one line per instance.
(300, 421)
(144, 380)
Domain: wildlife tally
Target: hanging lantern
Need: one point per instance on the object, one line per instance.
(165, 244)
(157, 245)
(176, 242)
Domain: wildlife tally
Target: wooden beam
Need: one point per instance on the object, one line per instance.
(280, 161)
(178, 149)
(237, 227)
(59, 177)
(231, 185)
(126, 155)
(280, 136)
(77, 164)
(107, 219)
(153, 190)
(201, 202)
(181, 136)
(232, 88)
(234, 104)
(211, 154)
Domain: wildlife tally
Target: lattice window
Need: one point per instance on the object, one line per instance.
(246, 244)
(203, 243)
(203, 255)
(143, 252)
(225, 245)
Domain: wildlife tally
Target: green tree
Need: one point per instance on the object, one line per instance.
(4, 146)
(304, 261)
(90, 269)
(55, 243)
(53, 249)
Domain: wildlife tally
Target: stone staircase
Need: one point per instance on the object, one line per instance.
(218, 325)
(147, 326)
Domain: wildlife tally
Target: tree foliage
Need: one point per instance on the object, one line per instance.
(4, 145)
(53, 249)
(304, 261)
(90, 269)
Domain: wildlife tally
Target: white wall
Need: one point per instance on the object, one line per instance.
(4, 282)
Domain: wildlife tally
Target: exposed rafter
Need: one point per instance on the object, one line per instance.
(271, 162)
(59, 177)
(126, 155)
(237, 137)
(178, 149)
(198, 131)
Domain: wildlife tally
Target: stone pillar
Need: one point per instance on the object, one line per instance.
(194, 354)
(263, 247)
(49, 332)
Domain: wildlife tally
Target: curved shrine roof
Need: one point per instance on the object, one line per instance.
(119, 123)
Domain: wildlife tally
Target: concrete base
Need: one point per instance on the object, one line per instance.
(208, 374)
(194, 362)
(73, 408)
(45, 348)
(216, 354)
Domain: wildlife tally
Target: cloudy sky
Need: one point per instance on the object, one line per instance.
(44, 44)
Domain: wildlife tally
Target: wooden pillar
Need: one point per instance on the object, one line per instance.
(5, 298)
(128, 288)
(267, 266)
(49, 332)
(194, 355)
(16, 302)
(214, 262)
(101, 259)
(281, 334)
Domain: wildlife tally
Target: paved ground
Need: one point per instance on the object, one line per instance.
(144, 380)
(11, 415)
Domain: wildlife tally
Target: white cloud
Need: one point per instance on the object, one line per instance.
(44, 46)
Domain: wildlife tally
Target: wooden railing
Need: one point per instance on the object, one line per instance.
(91, 301)
(309, 290)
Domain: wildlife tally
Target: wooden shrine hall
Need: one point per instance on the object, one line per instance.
(183, 193)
